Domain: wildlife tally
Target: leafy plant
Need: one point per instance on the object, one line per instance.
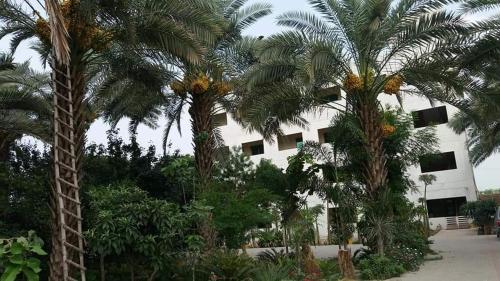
(379, 267)
(226, 265)
(272, 272)
(269, 238)
(147, 233)
(274, 256)
(18, 256)
(482, 212)
(330, 269)
(410, 258)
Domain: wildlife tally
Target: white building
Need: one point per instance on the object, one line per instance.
(455, 179)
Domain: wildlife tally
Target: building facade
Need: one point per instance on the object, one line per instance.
(455, 182)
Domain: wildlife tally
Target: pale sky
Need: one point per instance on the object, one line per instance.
(487, 174)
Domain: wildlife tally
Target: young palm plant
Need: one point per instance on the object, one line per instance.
(366, 49)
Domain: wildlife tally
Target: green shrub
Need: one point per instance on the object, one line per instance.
(270, 238)
(275, 257)
(409, 258)
(330, 270)
(226, 265)
(271, 272)
(482, 212)
(379, 267)
(409, 247)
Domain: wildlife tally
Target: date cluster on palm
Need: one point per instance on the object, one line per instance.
(354, 83)
(200, 84)
(388, 130)
(83, 33)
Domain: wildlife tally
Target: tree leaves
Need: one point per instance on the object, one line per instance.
(16, 257)
(11, 272)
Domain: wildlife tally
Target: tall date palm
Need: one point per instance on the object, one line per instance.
(73, 39)
(205, 85)
(366, 49)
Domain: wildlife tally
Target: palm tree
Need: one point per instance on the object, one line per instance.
(205, 85)
(71, 40)
(202, 86)
(364, 48)
(426, 179)
(24, 105)
(480, 119)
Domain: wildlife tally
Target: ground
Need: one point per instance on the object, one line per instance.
(466, 257)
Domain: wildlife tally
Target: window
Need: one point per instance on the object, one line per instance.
(299, 143)
(324, 135)
(438, 162)
(253, 148)
(445, 207)
(220, 119)
(291, 141)
(431, 116)
(328, 95)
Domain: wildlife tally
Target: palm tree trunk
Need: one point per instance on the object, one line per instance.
(375, 170)
(203, 138)
(69, 131)
(203, 142)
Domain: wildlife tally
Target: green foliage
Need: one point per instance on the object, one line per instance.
(127, 223)
(379, 267)
(24, 103)
(19, 257)
(330, 270)
(275, 256)
(302, 229)
(490, 191)
(166, 178)
(268, 238)
(226, 265)
(236, 169)
(235, 214)
(482, 212)
(24, 192)
(272, 272)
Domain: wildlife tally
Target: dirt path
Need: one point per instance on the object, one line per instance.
(466, 257)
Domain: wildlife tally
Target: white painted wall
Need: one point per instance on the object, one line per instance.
(450, 183)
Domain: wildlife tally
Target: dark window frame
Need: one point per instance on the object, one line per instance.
(445, 207)
(429, 117)
(257, 149)
(438, 162)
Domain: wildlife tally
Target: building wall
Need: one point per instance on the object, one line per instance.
(450, 183)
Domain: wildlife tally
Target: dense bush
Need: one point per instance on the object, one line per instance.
(272, 272)
(275, 257)
(409, 258)
(330, 270)
(143, 232)
(409, 247)
(482, 212)
(268, 238)
(226, 265)
(379, 267)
